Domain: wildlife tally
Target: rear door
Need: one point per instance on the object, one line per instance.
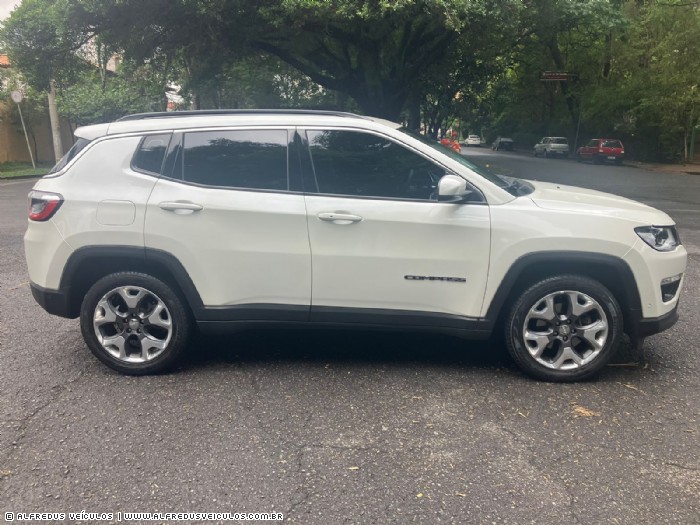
(228, 211)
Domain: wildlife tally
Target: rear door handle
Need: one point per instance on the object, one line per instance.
(339, 218)
(180, 207)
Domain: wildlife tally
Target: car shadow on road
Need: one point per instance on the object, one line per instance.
(345, 346)
(365, 347)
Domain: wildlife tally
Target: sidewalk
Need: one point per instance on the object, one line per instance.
(690, 169)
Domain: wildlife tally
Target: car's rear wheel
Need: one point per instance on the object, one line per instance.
(564, 328)
(134, 323)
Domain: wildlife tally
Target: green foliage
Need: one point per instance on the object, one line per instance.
(42, 41)
(92, 98)
(478, 61)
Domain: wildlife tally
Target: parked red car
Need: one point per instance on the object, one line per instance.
(601, 150)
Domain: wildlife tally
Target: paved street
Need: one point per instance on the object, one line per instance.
(332, 427)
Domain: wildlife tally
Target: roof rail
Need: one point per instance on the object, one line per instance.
(209, 112)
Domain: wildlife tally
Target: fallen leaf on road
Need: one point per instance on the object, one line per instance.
(353, 468)
(580, 411)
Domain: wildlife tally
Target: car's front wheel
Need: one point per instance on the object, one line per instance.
(134, 323)
(564, 328)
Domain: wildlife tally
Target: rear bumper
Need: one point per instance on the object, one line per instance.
(54, 302)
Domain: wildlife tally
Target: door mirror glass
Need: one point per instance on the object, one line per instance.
(452, 188)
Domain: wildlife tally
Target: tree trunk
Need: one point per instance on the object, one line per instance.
(55, 123)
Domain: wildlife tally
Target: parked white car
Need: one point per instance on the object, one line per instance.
(159, 223)
(552, 147)
(473, 140)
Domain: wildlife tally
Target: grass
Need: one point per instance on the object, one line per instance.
(10, 170)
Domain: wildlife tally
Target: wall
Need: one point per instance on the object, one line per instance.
(13, 146)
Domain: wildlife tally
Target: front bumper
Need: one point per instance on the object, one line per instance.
(644, 327)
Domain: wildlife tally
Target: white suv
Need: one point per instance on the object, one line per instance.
(158, 223)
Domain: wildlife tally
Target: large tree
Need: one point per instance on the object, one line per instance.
(373, 51)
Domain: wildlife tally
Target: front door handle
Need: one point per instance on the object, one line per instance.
(180, 207)
(339, 218)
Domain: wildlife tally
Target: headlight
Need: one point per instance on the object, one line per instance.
(661, 238)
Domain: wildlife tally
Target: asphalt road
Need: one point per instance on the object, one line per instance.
(331, 427)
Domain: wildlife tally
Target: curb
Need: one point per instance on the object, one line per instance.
(21, 177)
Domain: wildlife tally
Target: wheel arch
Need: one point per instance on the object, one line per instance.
(88, 264)
(612, 272)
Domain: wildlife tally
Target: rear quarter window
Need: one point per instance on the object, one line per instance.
(151, 153)
(75, 149)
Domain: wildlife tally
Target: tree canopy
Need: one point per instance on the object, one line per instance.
(427, 62)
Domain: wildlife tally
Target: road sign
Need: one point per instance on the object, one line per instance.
(557, 76)
(17, 97)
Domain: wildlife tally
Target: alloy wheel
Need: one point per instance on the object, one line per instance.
(565, 330)
(132, 324)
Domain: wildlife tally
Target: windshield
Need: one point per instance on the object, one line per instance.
(512, 185)
(77, 147)
(558, 140)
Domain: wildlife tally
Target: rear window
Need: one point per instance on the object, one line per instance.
(75, 149)
(559, 140)
(612, 144)
(248, 159)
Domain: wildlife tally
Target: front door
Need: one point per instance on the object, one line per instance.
(382, 245)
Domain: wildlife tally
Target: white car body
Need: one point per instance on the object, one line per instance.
(262, 255)
(473, 140)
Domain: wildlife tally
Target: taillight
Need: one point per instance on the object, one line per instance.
(43, 205)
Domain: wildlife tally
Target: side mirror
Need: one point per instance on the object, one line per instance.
(452, 188)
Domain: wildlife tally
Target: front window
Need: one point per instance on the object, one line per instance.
(366, 165)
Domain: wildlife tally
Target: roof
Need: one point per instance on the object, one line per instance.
(4, 61)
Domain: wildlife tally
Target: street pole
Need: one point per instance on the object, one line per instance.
(17, 97)
(578, 124)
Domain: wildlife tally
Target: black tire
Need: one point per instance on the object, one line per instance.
(173, 338)
(592, 360)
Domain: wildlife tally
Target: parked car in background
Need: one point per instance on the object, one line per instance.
(601, 150)
(552, 147)
(502, 143)
(473, 140)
